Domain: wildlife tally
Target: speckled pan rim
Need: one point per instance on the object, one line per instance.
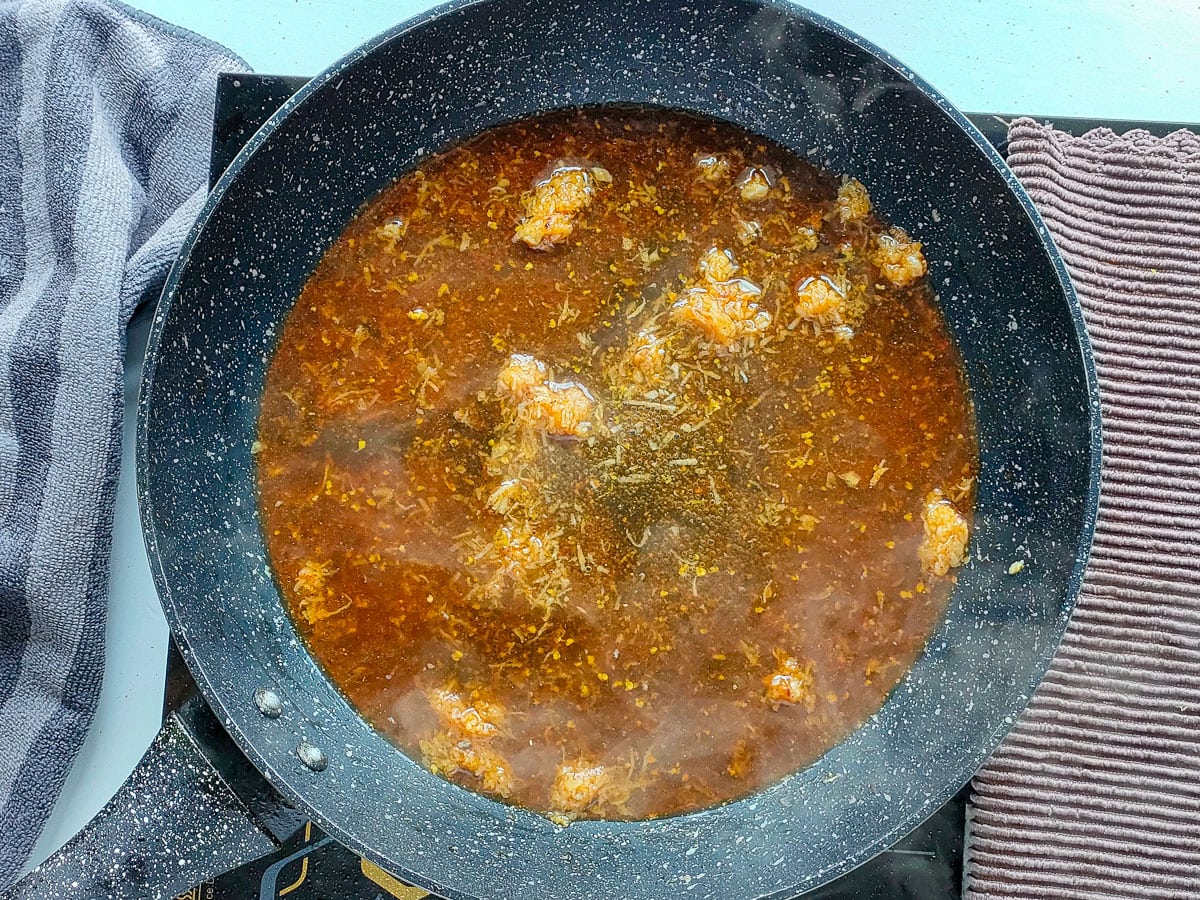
(966, 767)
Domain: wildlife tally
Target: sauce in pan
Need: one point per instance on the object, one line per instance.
(616, 464)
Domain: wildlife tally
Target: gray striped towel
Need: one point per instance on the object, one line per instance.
(1096, 792)
(105, 126)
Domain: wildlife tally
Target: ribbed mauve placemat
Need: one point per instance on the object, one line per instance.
(1096, 792)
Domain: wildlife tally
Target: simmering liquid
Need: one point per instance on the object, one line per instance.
(615, 464)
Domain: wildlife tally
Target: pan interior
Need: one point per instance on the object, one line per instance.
(632, 524)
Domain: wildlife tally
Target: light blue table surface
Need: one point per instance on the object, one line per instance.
(1091, 58)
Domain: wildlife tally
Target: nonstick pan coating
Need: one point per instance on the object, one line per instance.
(775, 70)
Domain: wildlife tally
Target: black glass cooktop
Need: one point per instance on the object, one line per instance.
(266, 849)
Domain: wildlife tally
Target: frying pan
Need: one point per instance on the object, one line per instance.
(781, 72)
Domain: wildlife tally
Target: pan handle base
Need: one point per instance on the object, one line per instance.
(174, 823)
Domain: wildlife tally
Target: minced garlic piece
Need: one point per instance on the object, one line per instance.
(853, 204)
(899, 259)
(741, 761)
(576, 786)
(554, 407)
(392, 230)
(521, 560)
(508, 495)
(723, 308)
(319, 608)
(430, 379)
(820, 300)
(755, 183)
(878, 472)
(791, 682)
(713, 168)
(563, 408)
(521, 374)
(646, 357)
(445, 754)
(945, 543)
(519, 548)
(475, 718)
(529, 559)
(311, 577)
(310, 587)
(749, 231)
(551, 207)
(724, 315)
(718, 265)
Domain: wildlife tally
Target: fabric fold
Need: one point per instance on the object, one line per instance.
(1096, 792)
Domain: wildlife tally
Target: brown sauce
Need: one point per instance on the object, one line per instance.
(591, 521)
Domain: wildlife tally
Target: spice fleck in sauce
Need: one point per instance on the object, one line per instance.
(617, 464)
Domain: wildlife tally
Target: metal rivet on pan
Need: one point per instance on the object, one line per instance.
(269, 703)
(312, 756)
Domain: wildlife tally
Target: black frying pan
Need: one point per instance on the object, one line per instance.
(778, 71)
